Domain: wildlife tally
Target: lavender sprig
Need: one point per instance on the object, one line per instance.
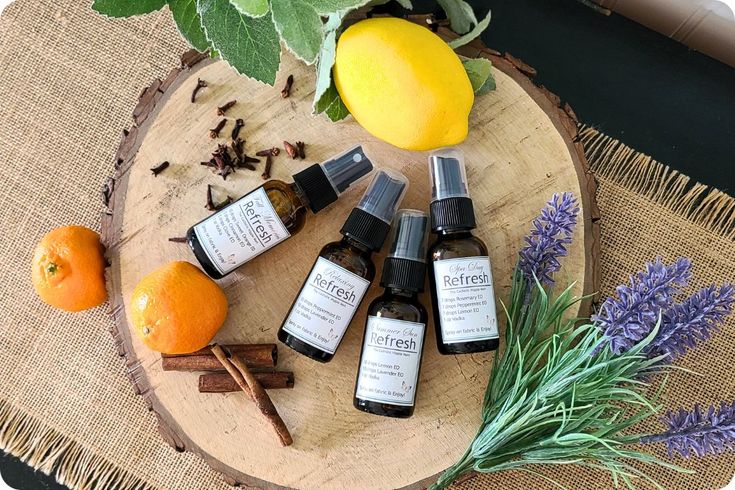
(685, 325)
(697, 432)
(551, 233)
(631, 317)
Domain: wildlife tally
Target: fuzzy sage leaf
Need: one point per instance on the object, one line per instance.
(249, 44)
(331, 104)
(300, 27)
(475, 32)
(460, 14)
(327, 7)
(126, 8)
(479, 71)
(189, 23)
(251, 8)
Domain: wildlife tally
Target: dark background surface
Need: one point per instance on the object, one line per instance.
(633, 84)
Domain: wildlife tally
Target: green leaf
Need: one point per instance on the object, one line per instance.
(326, 58)
(250, 45)
(406, 4)
(475, 32)
(126, 8)
(479, 70)
(300, 27)
(189, 23)
(331, 104)
(327, 7)
(251, 8)
(460, 14)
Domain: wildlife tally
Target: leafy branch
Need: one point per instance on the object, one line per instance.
(248, 35)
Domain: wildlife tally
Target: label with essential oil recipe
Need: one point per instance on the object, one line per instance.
(241, 231)
(326, 305)
(389, 368)
(466, 302)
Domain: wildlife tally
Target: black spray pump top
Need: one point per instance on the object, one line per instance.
(451, 206)
(405, 265)
(369, 222)
(323, 182)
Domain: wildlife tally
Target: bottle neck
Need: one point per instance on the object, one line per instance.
(402, 293)
(356, 245)
(300, 195)
(454, 232)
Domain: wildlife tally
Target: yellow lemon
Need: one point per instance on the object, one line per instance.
(403, 84)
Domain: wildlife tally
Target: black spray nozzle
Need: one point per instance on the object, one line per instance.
(347, 168)
(384, 194)
(409, 235)
(448, 177)
(323, 183)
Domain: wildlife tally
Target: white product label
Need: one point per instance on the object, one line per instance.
(325, 306)
(244, 229)
(466, 303)
(389, 368)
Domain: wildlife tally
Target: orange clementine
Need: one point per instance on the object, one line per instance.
(177, 309)
(69, 269)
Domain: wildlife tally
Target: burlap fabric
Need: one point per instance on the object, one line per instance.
(68, 82)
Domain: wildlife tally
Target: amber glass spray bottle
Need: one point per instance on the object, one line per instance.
(459, 267)
(342, 273)
(272, 213)
(393, 344)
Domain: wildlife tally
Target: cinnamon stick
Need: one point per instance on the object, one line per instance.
(256, 356)
(245, 379)
(224, 383)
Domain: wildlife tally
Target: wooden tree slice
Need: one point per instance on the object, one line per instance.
(521, 148)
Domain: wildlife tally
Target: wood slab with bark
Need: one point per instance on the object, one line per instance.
(522, 147)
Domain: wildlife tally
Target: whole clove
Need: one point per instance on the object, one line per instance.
(214, 133)
(300, 148)
(243, 160)
(286, 91)
(239, 123)
(223, 109)
(210, 203)
(159, 168)
(269, 151)
(200, 84)
(177, 239)
(292, 151)
(268, 164)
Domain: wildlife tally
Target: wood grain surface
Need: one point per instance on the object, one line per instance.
(521, 148)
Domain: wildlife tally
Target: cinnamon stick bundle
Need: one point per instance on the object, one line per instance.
(250, 385)
(224, 383)
(256, 356)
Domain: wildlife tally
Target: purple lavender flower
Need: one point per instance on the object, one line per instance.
(685, 325)
(631, 317)
(698, 433)
(550, 234)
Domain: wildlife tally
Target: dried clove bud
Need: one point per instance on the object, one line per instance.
(292, 151)
(200, 84)
(223, 109)
(177, 239)
(286, 91)
(269, 151)
(214, 133)
(239, 123)
(210, 203)
(160, 168)
(243, 161)
(210, 163)
(268, 164)
(300, 148)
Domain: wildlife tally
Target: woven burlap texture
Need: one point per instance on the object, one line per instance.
(68, 82)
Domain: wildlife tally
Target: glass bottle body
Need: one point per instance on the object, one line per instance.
(394, 304)
(457, 244)
(287, 202)
(353, 260)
